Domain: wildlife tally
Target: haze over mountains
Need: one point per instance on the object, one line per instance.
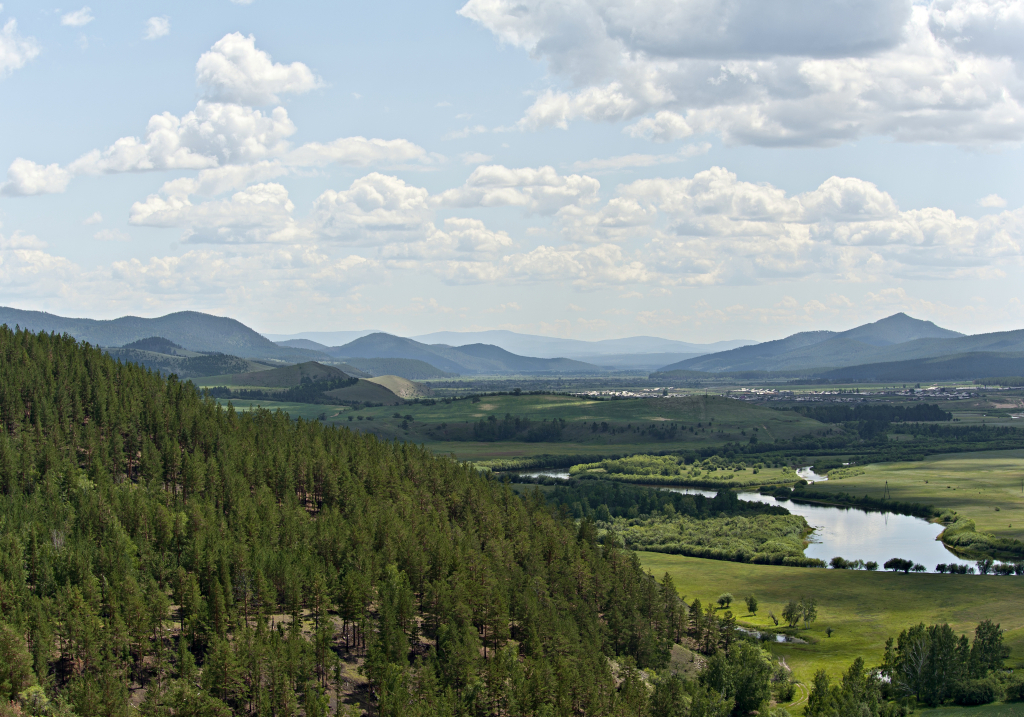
(896, 348)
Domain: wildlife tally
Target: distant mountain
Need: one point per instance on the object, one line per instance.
(469, 359)
(637, 362)
(322, 338)
(896, 337)
(411, 369)
(190, 329)
(554, 347)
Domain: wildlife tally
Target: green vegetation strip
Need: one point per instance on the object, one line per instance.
(863, 608)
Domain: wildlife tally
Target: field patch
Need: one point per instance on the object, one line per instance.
(985, 487)
(863, 608)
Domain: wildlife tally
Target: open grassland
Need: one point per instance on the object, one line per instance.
(306, 411)
(986, 487)
(863, 608)
(622, 426)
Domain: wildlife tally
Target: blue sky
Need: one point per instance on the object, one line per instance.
(700, 170)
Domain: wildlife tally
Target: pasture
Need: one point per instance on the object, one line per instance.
(986, 486)
(863, 608)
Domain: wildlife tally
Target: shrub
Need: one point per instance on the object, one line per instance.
(1014, 691)
(975, 692)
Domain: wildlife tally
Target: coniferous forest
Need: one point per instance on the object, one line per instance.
(159, 550)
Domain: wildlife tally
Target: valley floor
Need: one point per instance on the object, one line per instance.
(863, 608)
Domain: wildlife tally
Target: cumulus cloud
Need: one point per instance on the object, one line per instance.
(157, 27)
(257, 214)
(374, 209)
(992, 201)
(212, 133)
(360, 152)
(540, 190)
(664, 126)
(78, 18)
(233, 70)
(25, 177)
(94, 218)
(796, 73)
(15, 50)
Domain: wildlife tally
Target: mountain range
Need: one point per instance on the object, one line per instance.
(193, 330)
(895, 338)
(898, 347)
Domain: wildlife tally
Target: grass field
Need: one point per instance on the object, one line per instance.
(986, 487)
(863, 608)
(631, 426)
(306, 411)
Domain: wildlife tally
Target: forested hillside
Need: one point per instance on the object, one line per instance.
(160, 551)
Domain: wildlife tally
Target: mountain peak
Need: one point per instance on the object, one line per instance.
(897, 329)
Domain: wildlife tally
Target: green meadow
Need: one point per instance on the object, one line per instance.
(863, 608)
(987, 487)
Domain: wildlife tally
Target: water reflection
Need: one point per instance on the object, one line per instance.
(859, 535)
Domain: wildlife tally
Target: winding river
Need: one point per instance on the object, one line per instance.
(850, 533)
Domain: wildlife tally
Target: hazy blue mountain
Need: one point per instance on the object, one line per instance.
(411, 369)
(640, 362)
(469, 359)
(896, 337)
(554, 347)
(190, 329)
(323, 338)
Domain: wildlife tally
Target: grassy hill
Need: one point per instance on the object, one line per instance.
(401, 387)
(190, 365)
(284, 377)
(365, 391)
(943, 368)
(190, 329)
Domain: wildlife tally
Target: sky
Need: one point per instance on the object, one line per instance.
(694, 169)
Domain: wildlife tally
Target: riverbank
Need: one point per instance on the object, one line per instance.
(863, 608)
(986, 487)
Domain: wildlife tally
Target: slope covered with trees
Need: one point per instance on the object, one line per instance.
(159, 550)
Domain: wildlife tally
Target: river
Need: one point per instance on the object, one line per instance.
(850, 533)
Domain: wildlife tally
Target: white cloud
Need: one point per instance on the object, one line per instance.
(210, 134)
(225, 135)
(802, 73)
(376, 208)
(474, 157)
(466, 132)
(257, 214)
(360, 152)
(640, 160)
(15, 50)
(992, 201)
(25, 177)
(233, 70)
(157, 27)
(540, 190)
(78, 18)
(664, 126)
(94, 218)
(112, 235)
